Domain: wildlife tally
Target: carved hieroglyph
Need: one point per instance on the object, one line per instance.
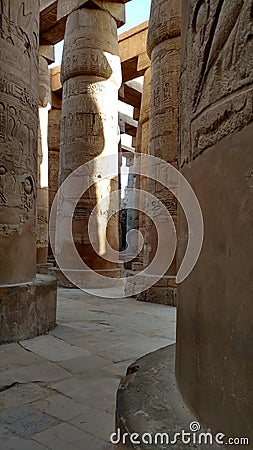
(163, 45)
(18, 138)
(91, 77)
(219, 74)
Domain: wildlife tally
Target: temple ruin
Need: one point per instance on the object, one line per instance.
(179, 86)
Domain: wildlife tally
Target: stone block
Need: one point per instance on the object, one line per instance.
(28, 309)
(116, 10)
(47, 51)
(25, 421)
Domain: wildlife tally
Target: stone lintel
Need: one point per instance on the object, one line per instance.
(47, 51)
(131, 93)
(115, 9)
(129, 124)
(51, 29)
(143, 62)
(132, 50)
(56, 84)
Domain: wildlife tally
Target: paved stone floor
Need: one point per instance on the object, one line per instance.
(58, 391)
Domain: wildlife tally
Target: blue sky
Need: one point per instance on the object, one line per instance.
(137, 11)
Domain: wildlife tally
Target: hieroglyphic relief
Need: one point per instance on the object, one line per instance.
(91, 77)
(164, 23)
(18, 113)
(18, 25)
(217, 74)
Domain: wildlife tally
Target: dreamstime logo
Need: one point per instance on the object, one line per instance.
(100, 172)
(194, 437)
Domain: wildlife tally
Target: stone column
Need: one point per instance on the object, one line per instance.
(22, 311)
(163, 46)
(142, 146)
(46, 55)
(54, 130)
(214, 363)
(91, 77)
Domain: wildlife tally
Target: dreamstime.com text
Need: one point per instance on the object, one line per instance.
(192, 437)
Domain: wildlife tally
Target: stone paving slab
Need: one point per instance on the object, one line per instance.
(61, 407)
(52, 348)
(25, 421)
(43, 372)
(21, 394)
(11, 442)
(88, 364)
(57, 391)
(14, 356)
(103, 427)
(99, 393)
(67, 437)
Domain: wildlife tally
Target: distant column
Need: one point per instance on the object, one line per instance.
(163, 46)
(142, 146)
(54, 130)
(46, 56)
(91, 77)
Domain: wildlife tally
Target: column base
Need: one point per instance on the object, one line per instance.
(164, 292)
(27, 309)
(63, 281)
(43, 268)
(149, 402)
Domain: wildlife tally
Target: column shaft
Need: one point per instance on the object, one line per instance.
(91, 77)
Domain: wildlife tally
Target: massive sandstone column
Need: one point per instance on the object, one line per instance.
(163, 46)
(23, 311)
(91, 77)
(46, 55)
(214, 363)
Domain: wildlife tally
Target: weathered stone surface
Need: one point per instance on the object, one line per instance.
(68, 436)
(132, 50)
(27, 309)
(215, 302)
(164, 22)
(160, 295)
(91, 77)
(18, 139)
(163, 46)
(54, 130)
(149, 402)
(47, 51)
(217, 68)
(142, 146)
(26, 422)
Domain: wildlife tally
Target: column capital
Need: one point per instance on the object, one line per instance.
(116, 10)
